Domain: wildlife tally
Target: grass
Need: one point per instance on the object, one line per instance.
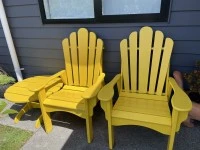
(13, 138)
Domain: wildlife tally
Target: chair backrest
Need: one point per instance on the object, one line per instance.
(83, 57)
(145, 62)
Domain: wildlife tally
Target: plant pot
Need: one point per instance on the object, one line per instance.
(3, 89)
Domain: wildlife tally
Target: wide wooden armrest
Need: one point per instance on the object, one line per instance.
(94, 89)
(107, 92)
(180, 100)
(43, 84)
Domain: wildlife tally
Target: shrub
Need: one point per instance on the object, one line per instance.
(193, 78)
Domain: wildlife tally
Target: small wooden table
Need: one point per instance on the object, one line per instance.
(19, 93)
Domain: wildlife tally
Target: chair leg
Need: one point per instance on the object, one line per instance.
(39, 122)
(173, 130)
(110, 135)
(22, 112)
(47, 121)
(89, 129)
(171, 141)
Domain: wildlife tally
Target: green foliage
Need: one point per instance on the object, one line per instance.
(7, 111)
(13, 138)
(4, 79)
(193, 78)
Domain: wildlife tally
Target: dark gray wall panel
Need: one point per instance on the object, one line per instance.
(181, 5)
(40, 53)
(5, 60)
(38, 43)
(40, 62)
(22, 11)
(4, 51)
(1, 33)
(180, 33)
(3, 42)
(19, 2)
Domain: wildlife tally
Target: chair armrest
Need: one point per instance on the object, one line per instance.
(42, 85)
(107, 92)
(94, 89)
(180, 100)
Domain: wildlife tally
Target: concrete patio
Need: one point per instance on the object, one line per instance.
(69, 133)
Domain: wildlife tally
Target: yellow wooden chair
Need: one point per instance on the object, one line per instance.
(82, 78)
(145, 87)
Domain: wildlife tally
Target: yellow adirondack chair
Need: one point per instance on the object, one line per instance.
(82, 78)
(145, 87)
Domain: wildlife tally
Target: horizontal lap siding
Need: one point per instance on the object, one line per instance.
(39, 46)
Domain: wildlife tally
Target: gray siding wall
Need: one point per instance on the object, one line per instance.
(39, 45)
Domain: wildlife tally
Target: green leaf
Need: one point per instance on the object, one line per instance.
(10, 111)
(2, 105)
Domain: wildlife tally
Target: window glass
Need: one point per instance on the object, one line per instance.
(69, 9)
(121, 7)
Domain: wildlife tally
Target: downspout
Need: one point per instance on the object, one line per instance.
(10, 43)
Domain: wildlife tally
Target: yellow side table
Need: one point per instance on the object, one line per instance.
(19, 93)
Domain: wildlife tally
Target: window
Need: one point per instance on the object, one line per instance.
(102, 11)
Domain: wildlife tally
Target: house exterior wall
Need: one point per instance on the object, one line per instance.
(39, 45)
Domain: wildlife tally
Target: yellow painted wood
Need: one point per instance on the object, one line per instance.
(89, 128)
(82, 79)
(164, 129)
(93, 90)
(39, 122)
(67, 55)
(21, 113)
(133, 60)
(173, 130)
(145, 44)
(110, 126)
(91, 57)
(164, 64)
(158, 41)
(20, 93)
(125, 66)
(83, 55)
(74, 57)
(144, 96)
(45, 115)
(107, 92)
(98, 58)
(148, 105)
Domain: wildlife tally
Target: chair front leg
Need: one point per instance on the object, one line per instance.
(46, 115)
(89, 127)
(110, 126)
(173, 130)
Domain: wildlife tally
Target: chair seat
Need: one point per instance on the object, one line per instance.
(144, 110)
(70, 97)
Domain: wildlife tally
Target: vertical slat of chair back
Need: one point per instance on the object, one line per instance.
(91, 59)
(83, 57)
(125, 64)
(157, 49)
(145, 65)
(133, 60)
(74, 58)
(98, 60)
(167, 50)
(67, 56)
(145, 44)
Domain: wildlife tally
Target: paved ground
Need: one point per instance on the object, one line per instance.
(69, 133)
